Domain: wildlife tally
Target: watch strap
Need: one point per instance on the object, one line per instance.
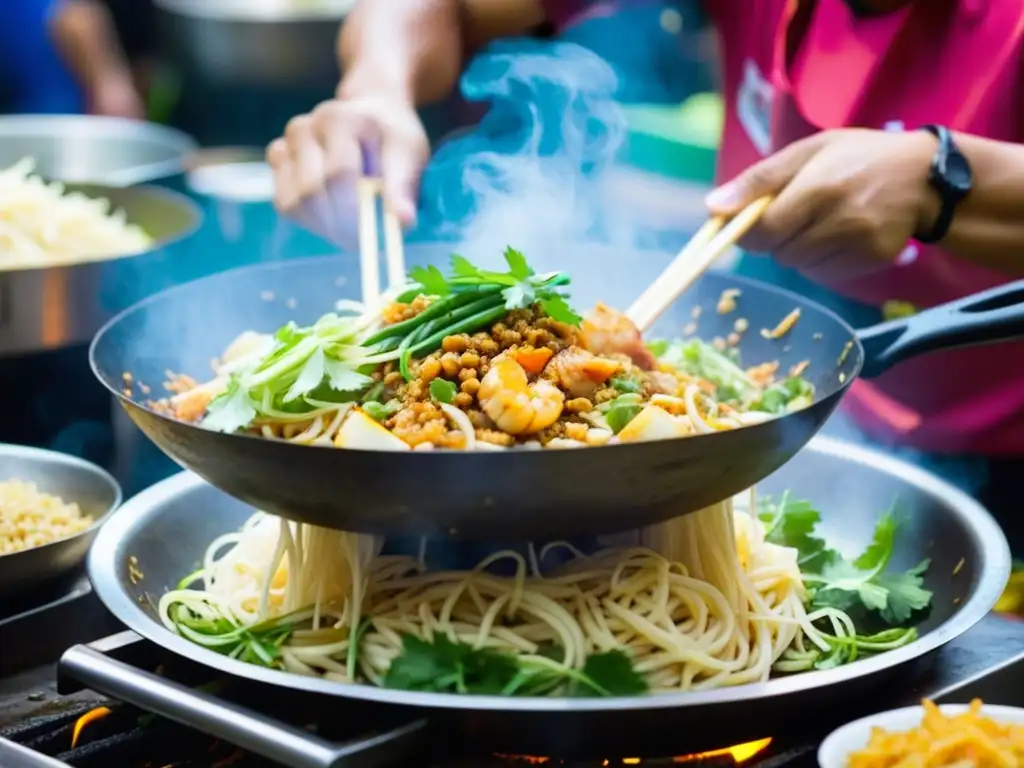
(948, 198)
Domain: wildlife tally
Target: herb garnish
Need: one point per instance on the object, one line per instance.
(839, 583)
(311, 370)
(258, 644)
(702, 360)
(308, 370)
(469, 299)
(786, 395)
(443, 666)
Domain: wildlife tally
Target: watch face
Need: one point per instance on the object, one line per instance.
(958, 172)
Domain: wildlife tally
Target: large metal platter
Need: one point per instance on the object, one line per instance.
(166, 529)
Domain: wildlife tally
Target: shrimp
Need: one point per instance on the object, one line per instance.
(516, 406)
(609, 332)
(579, 372)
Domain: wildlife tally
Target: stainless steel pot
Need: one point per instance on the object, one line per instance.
(255, 42)
(56, 307)
(164, 531)
(94, 150)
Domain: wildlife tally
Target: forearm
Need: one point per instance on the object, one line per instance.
(988, 228)
(84, 34)
(417, 47)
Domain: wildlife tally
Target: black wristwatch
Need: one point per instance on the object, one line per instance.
(951, 177)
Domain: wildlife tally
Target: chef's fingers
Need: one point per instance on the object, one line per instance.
(767, 177)
(404, 151)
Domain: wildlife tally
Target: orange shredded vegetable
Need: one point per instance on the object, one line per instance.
(785, 326)
(968, 740)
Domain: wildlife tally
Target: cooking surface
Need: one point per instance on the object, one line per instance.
(988, 661)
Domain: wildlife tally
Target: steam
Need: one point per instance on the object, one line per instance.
(529, 174)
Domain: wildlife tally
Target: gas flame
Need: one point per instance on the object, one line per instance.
(740, 753)
(89, 717)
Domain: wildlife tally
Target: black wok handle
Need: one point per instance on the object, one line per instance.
(281, 743)
(982, 318)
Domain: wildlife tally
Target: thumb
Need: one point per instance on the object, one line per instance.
(768, 177)
(402, 159)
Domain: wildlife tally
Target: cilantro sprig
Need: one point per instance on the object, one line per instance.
(443, 666)
(864, 582)
(520, 287)
(469, 299)
(864, 585)
(309, 369)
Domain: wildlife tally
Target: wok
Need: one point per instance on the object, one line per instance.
(520, 494)
(73, 480)
(168, 527)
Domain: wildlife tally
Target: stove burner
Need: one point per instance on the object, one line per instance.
(168, 712)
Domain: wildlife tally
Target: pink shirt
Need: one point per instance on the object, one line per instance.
(954, 62)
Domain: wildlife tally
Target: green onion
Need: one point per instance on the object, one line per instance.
(468, 325)
(435, 309)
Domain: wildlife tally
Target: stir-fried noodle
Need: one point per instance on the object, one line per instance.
(700, 602)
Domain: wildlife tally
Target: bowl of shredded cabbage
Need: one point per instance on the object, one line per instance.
(974, 735)
(73, 255)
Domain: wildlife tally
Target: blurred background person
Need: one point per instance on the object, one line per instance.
(61, 57)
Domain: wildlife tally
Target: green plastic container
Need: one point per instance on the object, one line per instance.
(680, 142)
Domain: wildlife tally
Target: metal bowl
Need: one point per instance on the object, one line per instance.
(255, 42)
(73, 480)
(84, 149)
(55, 307)
(168, 527)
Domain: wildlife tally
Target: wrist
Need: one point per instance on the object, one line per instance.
(367, 80)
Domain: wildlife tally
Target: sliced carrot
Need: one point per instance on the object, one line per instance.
(532, 359)
(600, 369)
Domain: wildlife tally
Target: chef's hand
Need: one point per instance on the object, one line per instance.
(846, 201)
(321, 155)
(114, 95)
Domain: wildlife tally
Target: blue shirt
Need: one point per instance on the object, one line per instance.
(33, 77)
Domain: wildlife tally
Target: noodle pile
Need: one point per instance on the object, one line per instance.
(30, 518)
(700, 602)
(41, 226)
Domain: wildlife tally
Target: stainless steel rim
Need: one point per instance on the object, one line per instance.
(103, 570)
(53, 457)
(86, 126)
(168, 195)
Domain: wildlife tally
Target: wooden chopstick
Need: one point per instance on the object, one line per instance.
(369, 190)
(711, 241)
